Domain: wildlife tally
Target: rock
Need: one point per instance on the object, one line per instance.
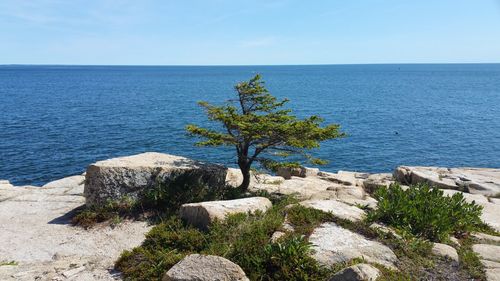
(333, 244)
(494, 200)
(385, 229)
(446, 251)
(69, 182)
(288, 172)
(358, 272)
(486, 239)
(345, 177)
(131, 176)
(376, 180)
(73, 271)
(205, 268)
(478, 198)
(203, 214)
(5, 184)
(337, 208)
(454, 241)
(487, 252)
(277, 235)
(484, 181)
(492, 270)
(491, 215)
(36, 231)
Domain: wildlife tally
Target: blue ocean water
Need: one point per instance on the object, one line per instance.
(55, 120)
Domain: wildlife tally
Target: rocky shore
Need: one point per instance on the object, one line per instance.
(39, 241)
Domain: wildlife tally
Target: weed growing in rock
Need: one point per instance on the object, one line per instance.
(425, 212)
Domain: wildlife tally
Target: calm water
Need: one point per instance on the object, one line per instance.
(55, 120)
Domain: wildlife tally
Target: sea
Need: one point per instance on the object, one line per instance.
(56, 120)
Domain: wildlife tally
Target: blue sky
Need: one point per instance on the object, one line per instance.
(227, 32)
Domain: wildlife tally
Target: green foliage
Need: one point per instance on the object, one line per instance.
(241, 238)
(113, 210)
(425, 212)
(167, 197)
(261, 129)
(8, 263)
(304, 220)
(289, 259)
(469, 260)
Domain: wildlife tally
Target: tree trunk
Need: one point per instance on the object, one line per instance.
(245, 170)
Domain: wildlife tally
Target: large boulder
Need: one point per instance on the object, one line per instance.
(484, 181)
(205, 268)
(204, 213)
(337, 208)
(358, 272)
(333, 244)
(131, 176)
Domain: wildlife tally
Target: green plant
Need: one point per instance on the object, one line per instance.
(289, 259)
(425, 212)
(242, 238)
(257, 124)
(11, 263)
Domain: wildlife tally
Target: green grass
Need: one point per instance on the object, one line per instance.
(425, 212)
(7, 263)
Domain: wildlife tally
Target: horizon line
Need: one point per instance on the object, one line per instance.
(226, 65)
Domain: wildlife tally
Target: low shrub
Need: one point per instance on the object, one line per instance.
(423, 211)
(243, 239)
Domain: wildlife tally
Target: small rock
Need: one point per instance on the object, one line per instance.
(277, 235)
(73, 271)
(333, 244)
(204, 213)
(455, 241)
(337, 208)
(303, 172)
(444, 250)
(205, 268)
(358, 272)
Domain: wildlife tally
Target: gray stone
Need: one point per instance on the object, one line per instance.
(333, 244)
(385, 229)
(68, 182)
(376, 180)
(487, 252)
(204, 213)
(303, 172)
(446, 251)
(205, 268)
(358, 272)
(484, 181)
(337, 208)
(486, 239)
(131, 176)
(492, 270)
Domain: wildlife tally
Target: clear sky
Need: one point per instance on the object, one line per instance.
(226, 32)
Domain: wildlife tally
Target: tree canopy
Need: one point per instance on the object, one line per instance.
(262, 129)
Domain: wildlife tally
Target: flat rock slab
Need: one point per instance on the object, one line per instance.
(131, 176)
(492, 270)
(36, 232)
(484, 181)
(333, 244)
(487, 252)
(358, 272)
(337, 208)
(205, 268)
(204, 213)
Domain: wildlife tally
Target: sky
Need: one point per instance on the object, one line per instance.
(258, 32)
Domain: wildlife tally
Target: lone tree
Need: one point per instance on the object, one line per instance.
(262, 130)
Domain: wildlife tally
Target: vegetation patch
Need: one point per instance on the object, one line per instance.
(241, 238)
(424, 212)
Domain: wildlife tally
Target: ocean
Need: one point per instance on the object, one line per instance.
(56, 120)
